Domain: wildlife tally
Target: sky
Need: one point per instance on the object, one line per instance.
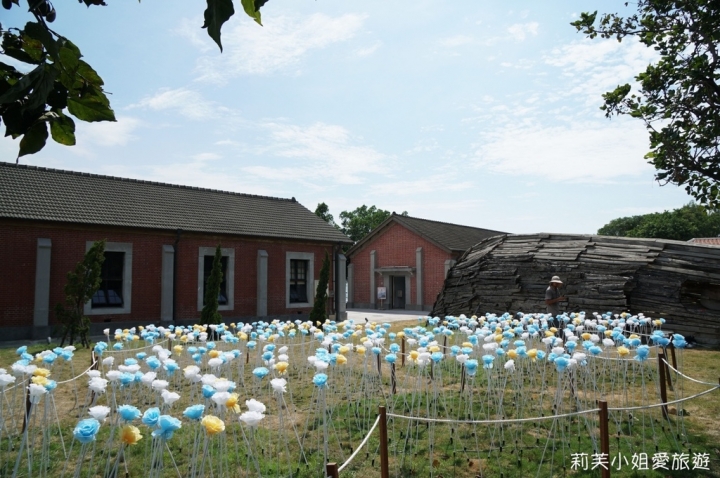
(471, 112)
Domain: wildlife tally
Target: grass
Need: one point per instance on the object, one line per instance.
(463, 450)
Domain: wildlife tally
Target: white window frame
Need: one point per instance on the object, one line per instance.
(125, 247)
(310, 279)
(228, 252)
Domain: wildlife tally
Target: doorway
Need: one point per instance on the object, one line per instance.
(398, 292)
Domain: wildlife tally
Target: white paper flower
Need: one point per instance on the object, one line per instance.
(6, 379)
(462, 358)
(220, 398)
(93, 373)
(282, 358)
(278, 385)
(222, 385)
(191, 372)
(108, 361)
(99, 412)
(208, 379)
(510, 365)
(36, 392)
(148, 378)
(97, 384)
(251, 419)
(129, 368)
(320, 365)
(255, 406)
(112, 375)
(159, 385)
(215, 363)
(170, 397)
(558, 350)
(283, 349)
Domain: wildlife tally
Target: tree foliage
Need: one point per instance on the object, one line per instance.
(323, 212)
(210, 314)
(678, 97)
(56, 85)
(318, 312)
(358, 223)
(683, 224)
(81, 284)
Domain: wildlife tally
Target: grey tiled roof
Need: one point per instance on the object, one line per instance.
(452, 237)
(28, 192)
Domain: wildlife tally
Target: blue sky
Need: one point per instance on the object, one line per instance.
(472, 112)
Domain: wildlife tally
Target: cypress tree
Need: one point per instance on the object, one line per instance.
(210, 314)
(318, 311)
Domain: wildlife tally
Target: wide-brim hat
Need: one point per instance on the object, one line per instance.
(556, 279)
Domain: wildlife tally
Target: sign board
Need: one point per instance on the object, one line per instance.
(382, 293)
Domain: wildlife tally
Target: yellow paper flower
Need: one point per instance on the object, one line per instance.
(40, 380)
(281, 367)
(136, 338)
(178, 349)
(344, 349)
(184, 339)
(585, 336)
(242, 336)
(41, 372)
(232, 403)
(532, 353)
(414, 354)
(213, 425)
(498, 330)
(118, 337)
(400, 335)
(622, 351)
(498, 338)
(634, 336)
(272, 338)
(467, 344)
(608, 333)
(213, 353)
(549, 333)
(434, 349)
(341, 359)
(130, 435)
(360, 349)
(512, 354)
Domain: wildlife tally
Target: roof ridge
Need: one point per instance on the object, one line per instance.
(141, 181)
(447, 223)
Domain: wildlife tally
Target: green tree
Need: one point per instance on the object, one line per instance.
(81, 284)
(358, 223)
(683, 224)
(58, 85)
(323, 212)
(678, 97)
(210, 314)
(318, 312)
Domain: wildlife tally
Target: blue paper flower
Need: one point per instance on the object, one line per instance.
(166, 427)
(595, 350)
(117, 346)
(141, 355)
(21, 350)
(561, 363)
(471, 366)
(261, 372)
(642, 353)
(320, 380)
(151, 416)
(86, 430)
(130, 361)
(50, 385)
(128, 412)
(391, 358)
(488, 361)
(208, 391)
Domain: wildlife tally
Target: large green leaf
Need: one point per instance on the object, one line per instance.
(62, 129)
(43, 35)
(92, 105)
(34, 140)
(19, 89)
(41, 88)
(217, 13)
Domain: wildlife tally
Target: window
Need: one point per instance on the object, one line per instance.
(222, 296)
(110, 293)
(299, 279)
(115, 292)
(206, 255)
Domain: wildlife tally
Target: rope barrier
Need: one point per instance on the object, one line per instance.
(493, 422)
(75, 378)
(655, 405)
(689, 378)
(362, 444)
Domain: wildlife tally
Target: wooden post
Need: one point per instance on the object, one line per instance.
(379, 364)
(402, 352)
(663, 391)
(668, 376)
(384, 465)
(247, 355)
(462, 378)
(392, 378)
(604, 438)
(672, 355)
(331, 470)
(28, 406)
(444, 345)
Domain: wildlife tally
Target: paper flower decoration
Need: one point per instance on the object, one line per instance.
(623, 351)
(278, 385)
(561, 363)
(166, 427)
(488, 361)
(86, 430)
(510, 365)
(36, 392)
(471, 367)
(251, 419)
(130, 435)
(320, 380)
(194, 412)
(97, 384)
(99, 412)
(128, 412)
(261, 372)
(391, 358)
(232, 402)
(6, 379)
(281, 367)
(151, 416)
(213, 425)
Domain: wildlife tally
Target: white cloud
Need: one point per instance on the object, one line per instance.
(367, 51)
(187, 102)
(456, 40)
(106, 133)
(206, 157)
(589, 152)
(520, 31)
(250, 49)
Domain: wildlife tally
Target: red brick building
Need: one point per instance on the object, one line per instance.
(160, 242)
(409, 258)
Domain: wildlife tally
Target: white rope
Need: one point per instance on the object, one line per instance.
(362, 444)
(133, 350)
(75, 378)
(642, 407)
(491, 422)
(689, 378)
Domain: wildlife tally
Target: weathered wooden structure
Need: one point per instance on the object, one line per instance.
(674, 280)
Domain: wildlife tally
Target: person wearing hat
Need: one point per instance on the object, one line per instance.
(553, 297)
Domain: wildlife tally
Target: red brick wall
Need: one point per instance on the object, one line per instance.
(396, 246)
(18, 255)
